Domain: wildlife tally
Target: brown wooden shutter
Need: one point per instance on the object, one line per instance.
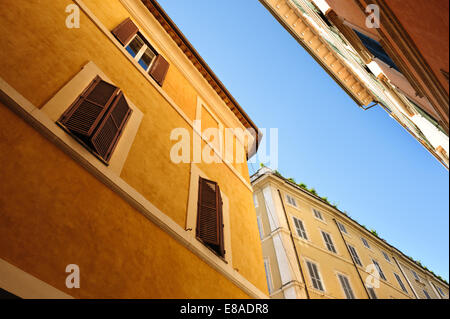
(209, 216)
(159, 69)
(125, 31)
(85, 113)
(221, 230)
(109, 130)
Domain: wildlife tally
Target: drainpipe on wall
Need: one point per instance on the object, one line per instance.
(295, 247)
(351, 257)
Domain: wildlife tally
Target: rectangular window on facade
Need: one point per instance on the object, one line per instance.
(380, 272)
(415, 275)
(328, 242)
(365, 242)
(346, 286)
(260, 227)
(440, 291)
(426, 294)
(210, 216)
(355, 255)
(400, 282)
(140, 49)
(268, 274)
(300, 228)
(386, 256)
(317, 214)
(291, 200)
(97, 118)
(315, 276)
(342, 228)
(372, 293)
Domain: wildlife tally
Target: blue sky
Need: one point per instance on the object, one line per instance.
(362, 160)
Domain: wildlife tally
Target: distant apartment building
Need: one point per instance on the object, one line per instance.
(94, 96)
(388, 53)
(312, 250)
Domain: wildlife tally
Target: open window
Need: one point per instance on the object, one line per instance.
(97, 118)
(210, 228)
(140, 49)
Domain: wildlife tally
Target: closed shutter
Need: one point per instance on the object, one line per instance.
(125, 31)
(107, 135)
(159, 69)
(210, 216)
(85, 113)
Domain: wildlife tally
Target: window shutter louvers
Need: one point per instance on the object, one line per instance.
(210, 216)
(86, 112)
(125, 31)
(107, 135)
(159, 69)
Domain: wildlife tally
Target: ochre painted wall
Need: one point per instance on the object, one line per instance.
(54, 213)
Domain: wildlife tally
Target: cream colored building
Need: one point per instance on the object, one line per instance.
(313, 250)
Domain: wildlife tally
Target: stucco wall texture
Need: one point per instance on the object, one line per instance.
(53, 212)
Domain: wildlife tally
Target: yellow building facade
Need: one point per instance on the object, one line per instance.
(93, 97)
(312, 250)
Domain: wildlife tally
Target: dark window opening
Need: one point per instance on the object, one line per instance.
(376, 49)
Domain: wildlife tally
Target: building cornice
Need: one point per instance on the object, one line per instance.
(437, 94)
(177, 36)
(309, 38)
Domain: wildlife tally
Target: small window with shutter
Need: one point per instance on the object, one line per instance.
(210, 216)
(140, 49)
(97, 118)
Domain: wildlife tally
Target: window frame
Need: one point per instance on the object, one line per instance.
(427, 295)
(291, 200)
(380, 271)
(86, 140)
(342, 228)
(220, 250)
(441, 292)
(318, 215)
(260, 227)
(296, 219)
(255, 201)
(386, 256)
(400, 282)
(269, 277)
(320, 279)
(366, 243)
(327, 245)
(415, 275)
(355, 257)
(371, 291)
(146, 45)
(349, 288)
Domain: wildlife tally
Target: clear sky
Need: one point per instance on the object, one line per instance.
(362, 160)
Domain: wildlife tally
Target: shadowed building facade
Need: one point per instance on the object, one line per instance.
(398, 62)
